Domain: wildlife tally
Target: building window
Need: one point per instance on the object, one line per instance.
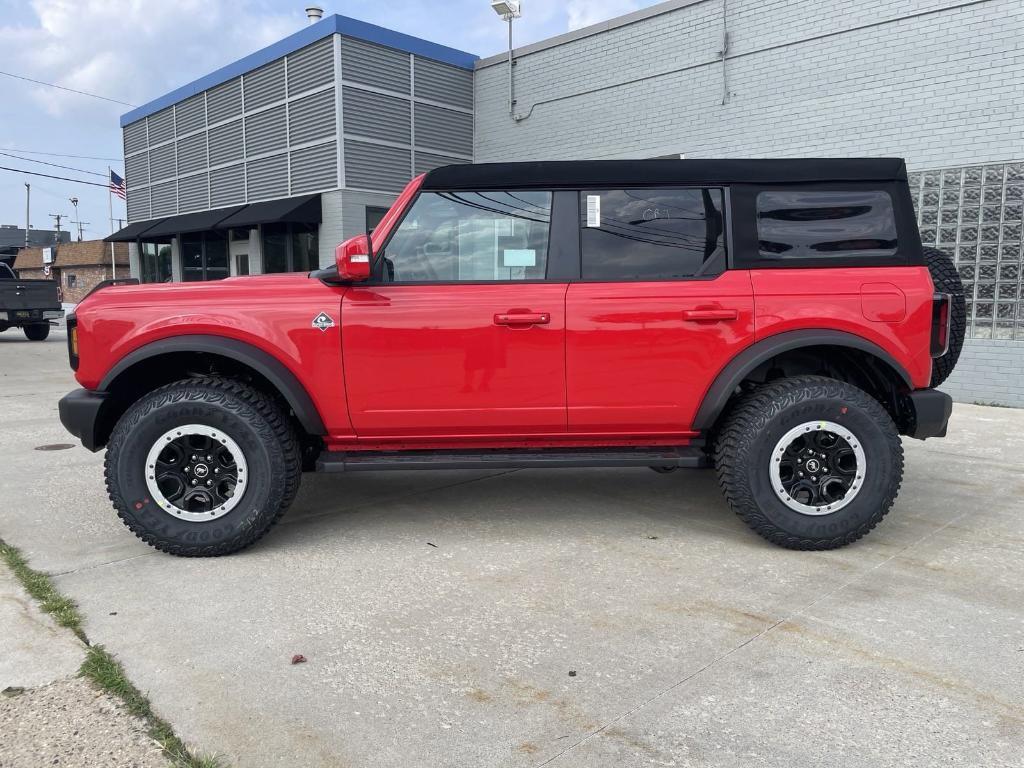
(649, 234)
(976, 215)
(373, 217)
(72, 280)
(470, 236)
(204, 256)
(290, 248)
(155, 262)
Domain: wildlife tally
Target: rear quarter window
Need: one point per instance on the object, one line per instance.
(795, 225)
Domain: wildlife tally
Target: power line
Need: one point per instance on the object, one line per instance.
(63, 88)
(55, 165)
(50, 176)
(58, 154)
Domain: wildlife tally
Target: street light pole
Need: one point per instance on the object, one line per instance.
(28, 197)
(509, 10)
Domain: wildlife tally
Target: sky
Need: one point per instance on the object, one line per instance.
(133, 51)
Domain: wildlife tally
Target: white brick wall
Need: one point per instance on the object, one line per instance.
(939, 82)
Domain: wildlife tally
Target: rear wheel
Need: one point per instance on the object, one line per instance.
(946, 279)
(37, 331)
(203, 467)
(809, 462)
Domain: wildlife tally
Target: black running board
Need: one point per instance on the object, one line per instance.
(692, 457)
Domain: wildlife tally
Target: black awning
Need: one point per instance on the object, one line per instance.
(132, 232)
(199, 221)
(299, 210)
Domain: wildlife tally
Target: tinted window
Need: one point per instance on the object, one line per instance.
(649, 234)
(471, 236)
(811, 224)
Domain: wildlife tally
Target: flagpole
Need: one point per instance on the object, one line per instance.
(110, 211)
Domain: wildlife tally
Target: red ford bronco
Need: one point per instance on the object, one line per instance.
(777, 320)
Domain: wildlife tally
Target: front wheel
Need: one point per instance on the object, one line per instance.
(203, 467)
(37, 331)
(809, 462)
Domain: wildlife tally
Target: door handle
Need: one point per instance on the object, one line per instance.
(710, 314)
(522, 318)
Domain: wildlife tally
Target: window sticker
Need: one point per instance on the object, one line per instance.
(593, 210)
(519, 257)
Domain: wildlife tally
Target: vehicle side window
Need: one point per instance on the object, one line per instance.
(801, 224)
(470, 236)
(649, 234)
(6, 273)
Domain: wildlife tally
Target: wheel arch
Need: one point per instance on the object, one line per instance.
(741, 367)
(276, 375)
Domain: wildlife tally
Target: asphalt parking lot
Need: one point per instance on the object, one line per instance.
(559, 617)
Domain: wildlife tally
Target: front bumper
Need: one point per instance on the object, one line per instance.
(81, 413)
(931, 410)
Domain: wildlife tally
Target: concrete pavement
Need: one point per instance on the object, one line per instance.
(442, 613)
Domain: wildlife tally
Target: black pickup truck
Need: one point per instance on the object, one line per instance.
(28, 304)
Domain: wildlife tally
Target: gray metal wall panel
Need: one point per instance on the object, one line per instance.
(265, 131)
(136, 170)
(190, 114)
(192, 153)
(161, 163)
(374, 167)
(164, 199)
(376, 116)
(441, 82)
(224, 101)
(374, 65)
(193, 193)
(264, 85)
(161, 126)
(444, 129)
(314, 168)
(135, 137)
(428, 162)
(226, 143)
(227, 186)
(138, 204)
(267, 178)
(311, 67)
(311, 117)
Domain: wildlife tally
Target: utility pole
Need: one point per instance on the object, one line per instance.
(57, 217)
(74, 202)
(82, 224)
(28, 197)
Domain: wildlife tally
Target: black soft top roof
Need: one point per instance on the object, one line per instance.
(602, 173)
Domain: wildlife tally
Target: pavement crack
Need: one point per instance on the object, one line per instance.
(722, 657)
(101, 565)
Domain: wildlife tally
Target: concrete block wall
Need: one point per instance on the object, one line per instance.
(989, 371)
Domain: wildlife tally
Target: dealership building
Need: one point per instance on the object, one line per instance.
(266, 164)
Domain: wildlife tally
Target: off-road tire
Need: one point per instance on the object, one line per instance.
(946, 279)
(743, 452)
(37, 331)
(250, 418)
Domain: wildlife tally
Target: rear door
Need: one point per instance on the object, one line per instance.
(656, 315)
(460, 332)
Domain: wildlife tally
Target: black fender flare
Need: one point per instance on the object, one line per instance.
(266, 365)
(745, 362)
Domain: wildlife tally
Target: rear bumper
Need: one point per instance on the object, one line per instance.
(931, 413)
(30, 316)
(80, 413)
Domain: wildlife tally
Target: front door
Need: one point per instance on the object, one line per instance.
(655, 315)
(459, 333)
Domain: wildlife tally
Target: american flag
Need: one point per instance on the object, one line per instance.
(117, 185)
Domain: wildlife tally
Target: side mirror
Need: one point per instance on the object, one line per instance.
(353, 259)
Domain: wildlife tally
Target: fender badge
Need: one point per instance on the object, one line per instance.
(323, 321)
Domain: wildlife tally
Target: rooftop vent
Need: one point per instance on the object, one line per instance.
(314, 13)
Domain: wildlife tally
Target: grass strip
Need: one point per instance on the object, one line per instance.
(99, 666)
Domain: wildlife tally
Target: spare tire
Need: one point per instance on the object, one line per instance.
(946, 279)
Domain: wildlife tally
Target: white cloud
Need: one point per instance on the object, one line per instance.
(583, 13)
(131, 50)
